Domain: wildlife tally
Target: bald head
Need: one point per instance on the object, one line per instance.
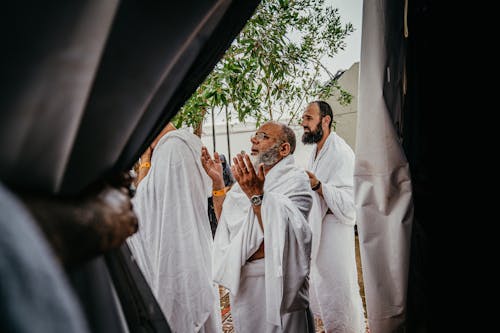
(285, 134)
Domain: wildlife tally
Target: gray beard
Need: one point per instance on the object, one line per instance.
(268, 157)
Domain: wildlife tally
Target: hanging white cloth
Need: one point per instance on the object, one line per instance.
(174, 245)
(335, 293)
(383, 186)
(287, 245)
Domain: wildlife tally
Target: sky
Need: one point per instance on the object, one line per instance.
(349, 11)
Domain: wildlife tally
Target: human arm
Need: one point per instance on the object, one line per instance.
(82, 227)
(144, 165)
(339, 197)
(213, 168)
(315, 183)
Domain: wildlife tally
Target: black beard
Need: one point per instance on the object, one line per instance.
(312, 136)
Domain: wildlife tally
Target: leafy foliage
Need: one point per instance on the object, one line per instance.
(274, 66)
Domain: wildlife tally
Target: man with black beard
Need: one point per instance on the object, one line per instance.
(262, 245)
(335, 296)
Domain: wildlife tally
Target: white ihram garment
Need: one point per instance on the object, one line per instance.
(335, 293)
(174, 245)
(270, 294)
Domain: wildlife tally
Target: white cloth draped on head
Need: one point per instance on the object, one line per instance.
(174, 245)
(334, 282)
(287, 240)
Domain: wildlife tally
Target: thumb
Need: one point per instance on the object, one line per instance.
(310, 174)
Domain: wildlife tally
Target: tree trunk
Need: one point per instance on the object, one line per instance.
(198, 130)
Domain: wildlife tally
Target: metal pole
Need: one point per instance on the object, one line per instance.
(213, 128)
(228, 141)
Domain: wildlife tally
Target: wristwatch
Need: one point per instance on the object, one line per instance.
(256, 200)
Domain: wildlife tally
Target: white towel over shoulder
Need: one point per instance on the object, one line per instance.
(287, 239)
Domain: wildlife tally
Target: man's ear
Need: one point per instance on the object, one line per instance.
(285, 149)
(326, 120)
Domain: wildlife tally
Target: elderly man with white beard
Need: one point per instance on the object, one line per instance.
(262, 247)
(335, 293)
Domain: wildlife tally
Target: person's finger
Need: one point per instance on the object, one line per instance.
(249, 165)
(233, 167)
(235, 172)
(204, 163)
(241, 167)
(216, 158)
(208, 153)
(203, 153)
(236, 164)
(241, 164)
(204, 159)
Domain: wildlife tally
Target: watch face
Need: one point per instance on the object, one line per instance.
(256, 200)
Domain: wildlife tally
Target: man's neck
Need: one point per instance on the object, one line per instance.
(321, 142)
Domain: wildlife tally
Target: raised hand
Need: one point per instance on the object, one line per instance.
(251, 183)
(213, 167)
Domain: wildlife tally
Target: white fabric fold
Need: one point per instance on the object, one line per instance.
(383, 186)
(174, 245)
(287, 240)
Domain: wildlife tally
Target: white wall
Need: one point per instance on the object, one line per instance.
(346, 116)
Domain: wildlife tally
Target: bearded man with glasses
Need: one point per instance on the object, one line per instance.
(263, 241)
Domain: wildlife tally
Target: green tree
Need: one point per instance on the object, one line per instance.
(274, 66)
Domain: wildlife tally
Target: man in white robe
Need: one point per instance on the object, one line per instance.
(263, 241)
(174, 244)
(335, 296)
